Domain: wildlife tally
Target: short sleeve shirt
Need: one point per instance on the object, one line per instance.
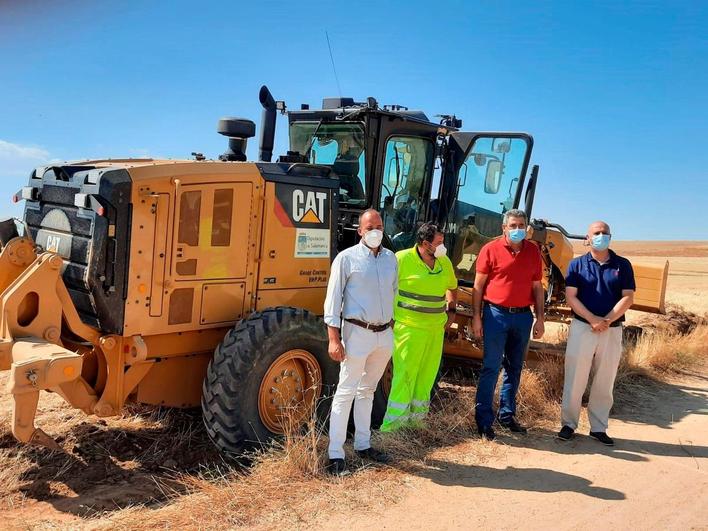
(600, 285)
(415, 277)
(510, 275)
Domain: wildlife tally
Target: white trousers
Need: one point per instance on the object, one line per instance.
(367, 354)
(586, 351)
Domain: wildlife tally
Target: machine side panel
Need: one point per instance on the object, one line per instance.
(296, 247)
(195, 229)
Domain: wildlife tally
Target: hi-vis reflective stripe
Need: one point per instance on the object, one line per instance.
(420, 403)
(395, 418)
(398, 405)
(421, 309)
(418, 297)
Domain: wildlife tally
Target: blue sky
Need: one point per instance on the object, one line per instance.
(614, 93)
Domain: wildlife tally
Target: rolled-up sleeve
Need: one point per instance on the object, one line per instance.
(335, 290)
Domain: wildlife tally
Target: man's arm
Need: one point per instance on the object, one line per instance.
(539, 326)
(622, 306)
(628, 285)
(333, 309)
(451, 302)
(480, 281)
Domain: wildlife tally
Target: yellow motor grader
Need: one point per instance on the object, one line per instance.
(188, 282)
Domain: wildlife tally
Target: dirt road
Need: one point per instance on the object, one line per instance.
(656, 477)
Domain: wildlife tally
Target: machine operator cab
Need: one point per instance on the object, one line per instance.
(384, 158)
(414, 170)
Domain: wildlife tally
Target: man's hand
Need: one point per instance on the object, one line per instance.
(477, 326)
(598, 324)
(336, 350)
(539, 328)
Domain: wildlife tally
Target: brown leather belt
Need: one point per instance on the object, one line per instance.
(369, 326)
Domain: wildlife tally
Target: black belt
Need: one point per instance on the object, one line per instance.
(613, 324)
(369, 326)
(508, 309)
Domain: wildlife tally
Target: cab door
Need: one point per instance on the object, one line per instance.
(405, 187)
(483, 177)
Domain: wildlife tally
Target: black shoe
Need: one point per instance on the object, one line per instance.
(337, 467)
(374, 455)
(487, 433)
(566, 433)
(511, 425)
(602, 437)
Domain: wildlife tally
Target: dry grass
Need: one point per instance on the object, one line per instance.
(284, 485)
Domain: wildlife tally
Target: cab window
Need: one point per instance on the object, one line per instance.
(340, 146)
(487, 185)
(407, 169)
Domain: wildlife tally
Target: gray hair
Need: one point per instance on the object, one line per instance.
(514, 213)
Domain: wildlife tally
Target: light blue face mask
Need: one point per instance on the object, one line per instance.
(600, 242)
(517, 235)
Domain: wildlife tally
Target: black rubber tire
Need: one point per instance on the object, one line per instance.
(234, 375)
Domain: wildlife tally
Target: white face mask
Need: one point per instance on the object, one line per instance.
(372, 238)
(440, 250)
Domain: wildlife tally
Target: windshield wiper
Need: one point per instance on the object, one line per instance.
(312, 140)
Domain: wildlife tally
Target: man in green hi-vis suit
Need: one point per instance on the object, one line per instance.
(424, 307)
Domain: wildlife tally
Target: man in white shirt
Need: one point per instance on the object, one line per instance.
(358, 312)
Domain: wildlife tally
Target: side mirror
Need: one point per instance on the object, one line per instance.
(492, 179)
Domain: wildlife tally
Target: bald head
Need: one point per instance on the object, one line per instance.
(598, 227)
(368, 217)
(369, 220)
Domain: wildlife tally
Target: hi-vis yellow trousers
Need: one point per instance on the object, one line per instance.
(416, 360)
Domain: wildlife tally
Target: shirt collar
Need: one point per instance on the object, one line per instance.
(508, 245)
(437, 266)
(611, 261)
(369, 252)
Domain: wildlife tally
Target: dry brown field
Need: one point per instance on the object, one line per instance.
(688, 267)
(156, 468)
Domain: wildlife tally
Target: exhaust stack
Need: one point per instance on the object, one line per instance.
(265, 146)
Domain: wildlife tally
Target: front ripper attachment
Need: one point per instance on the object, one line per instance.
(35, 309)
(37, 365)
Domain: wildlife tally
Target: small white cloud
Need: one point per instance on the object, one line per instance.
(10, 150)
(17, 160)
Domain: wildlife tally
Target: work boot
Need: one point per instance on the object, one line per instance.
(566, 433)
(374, 455)
(337, 467)
(602, 437)
(486, 433)
(511, 425)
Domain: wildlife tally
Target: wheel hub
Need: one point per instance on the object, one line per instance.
(289, 391)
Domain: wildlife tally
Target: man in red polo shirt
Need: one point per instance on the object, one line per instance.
(508, 280)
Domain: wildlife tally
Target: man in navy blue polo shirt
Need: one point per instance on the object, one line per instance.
(599, 289)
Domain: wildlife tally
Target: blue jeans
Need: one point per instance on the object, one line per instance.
(506, 338)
